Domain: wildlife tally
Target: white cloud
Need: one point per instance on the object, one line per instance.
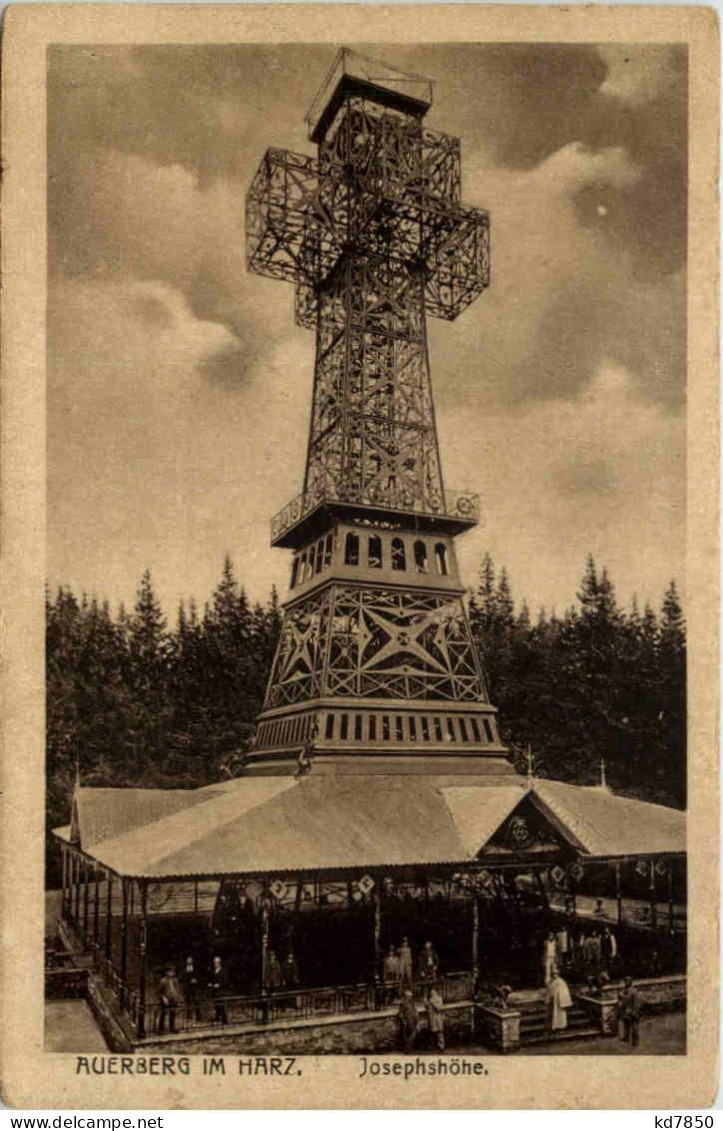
(603, 474)
(150, 463)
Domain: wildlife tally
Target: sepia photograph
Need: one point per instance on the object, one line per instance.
(366, 561)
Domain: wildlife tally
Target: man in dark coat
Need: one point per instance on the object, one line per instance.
(609, 950)
(218, 985)
(290, 972)
(191, 988)
(408, 1021)
(428, 964)
(274, 974)
(170, 999)
(629, 1007)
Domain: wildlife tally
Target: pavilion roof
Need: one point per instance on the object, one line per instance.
(103, 814)
(609, 825)
(260, 825)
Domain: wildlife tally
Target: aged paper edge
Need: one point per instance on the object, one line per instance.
(35, 1079)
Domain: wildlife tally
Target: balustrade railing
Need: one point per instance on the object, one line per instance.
(460, 505)
(297, 1004)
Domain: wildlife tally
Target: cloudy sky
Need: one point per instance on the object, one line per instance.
(179, 386)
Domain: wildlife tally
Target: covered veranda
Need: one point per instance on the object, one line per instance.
(335, 871)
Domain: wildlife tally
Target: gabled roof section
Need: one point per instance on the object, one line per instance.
(478, 813)
(608, 825)
(100, 814)
(142, 851)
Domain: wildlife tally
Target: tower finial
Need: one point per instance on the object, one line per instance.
(530, 764)
(77, 770)
(603, 782)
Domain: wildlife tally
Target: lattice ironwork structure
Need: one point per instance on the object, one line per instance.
(376, 654)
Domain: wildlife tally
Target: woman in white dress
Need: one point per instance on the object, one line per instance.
(558, 1002)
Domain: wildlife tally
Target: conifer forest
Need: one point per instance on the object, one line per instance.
(134, 700)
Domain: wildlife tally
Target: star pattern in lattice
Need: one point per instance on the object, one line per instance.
(366, 642)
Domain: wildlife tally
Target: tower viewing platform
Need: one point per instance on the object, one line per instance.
(311, 512)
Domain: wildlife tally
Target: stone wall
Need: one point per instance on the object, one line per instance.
(105, 1010)
(361, 1033)
(65, 982)
(662, 995)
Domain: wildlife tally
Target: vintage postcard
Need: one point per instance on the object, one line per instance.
(359, 532)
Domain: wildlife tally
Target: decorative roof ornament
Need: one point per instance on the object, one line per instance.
(530, 766)
(601, 786)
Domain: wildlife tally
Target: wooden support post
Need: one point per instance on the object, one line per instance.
(377, 936)
(142, 959)
(653, 906)
(76, 896)
(124, 944)
(475, 941)
(64, 898)
(86, 896)
(109, 917)
(619, 893)
(96, 911)
(265, 959)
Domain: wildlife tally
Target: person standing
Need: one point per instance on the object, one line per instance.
(436, 1017)
(591, 953)
(218, 984)
(408, 1021)
(405, 963)
(608, 949)
(290, 976)
(629, 1010)
(169, 1000)
(549, 953)
(558, 1001)
(562, 946)
(191, 988)
(274, 974)
(391, 974)
(428, 964)
(290, 972)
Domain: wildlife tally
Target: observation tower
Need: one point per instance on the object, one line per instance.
(376, 669)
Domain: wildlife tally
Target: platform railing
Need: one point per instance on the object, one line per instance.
(463, 506)
(293, 1004)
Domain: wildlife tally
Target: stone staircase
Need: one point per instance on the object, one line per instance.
(533, 1022)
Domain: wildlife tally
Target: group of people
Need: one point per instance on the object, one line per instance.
(587, 951)
(568, 950)
(572, 949)
(196, 986)
(410, 1020)
(281, 975)
(189, 991)
(399, 966)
